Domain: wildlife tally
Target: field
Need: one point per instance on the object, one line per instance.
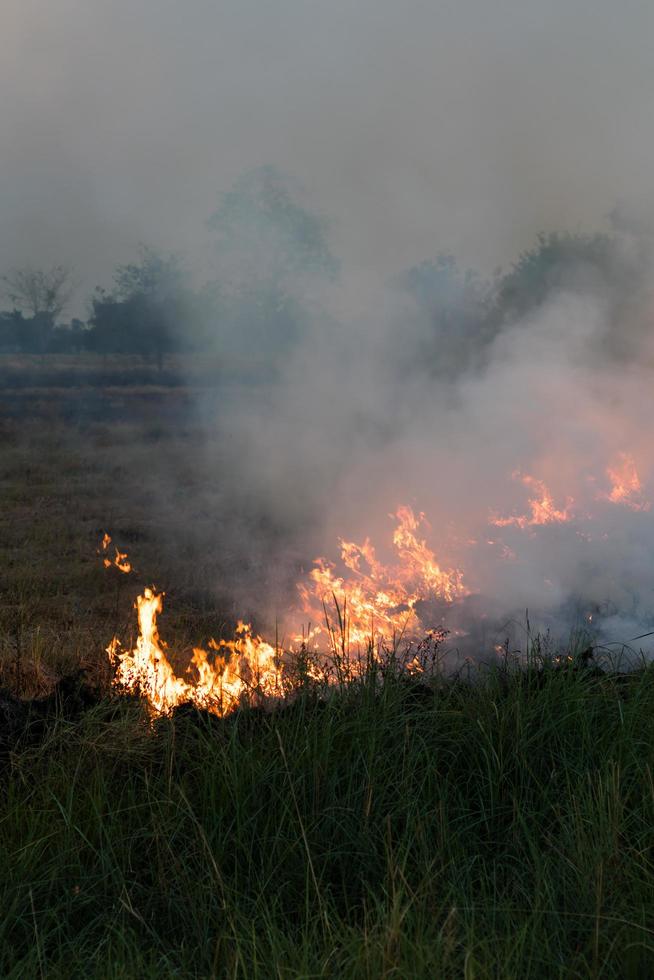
(501, 828)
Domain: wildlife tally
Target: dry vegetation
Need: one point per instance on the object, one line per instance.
(502, 829)
(80, 460)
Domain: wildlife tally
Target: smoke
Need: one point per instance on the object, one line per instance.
(547, 399)
(418, 127)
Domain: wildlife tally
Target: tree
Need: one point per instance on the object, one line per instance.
(271, 251)
(455, 306)
(579, 263)
(262, 230)
(156, 277)
(596, 265)
(144, 311)
(40, 292)
(12, 333)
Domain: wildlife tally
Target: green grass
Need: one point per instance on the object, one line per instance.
(501, 829)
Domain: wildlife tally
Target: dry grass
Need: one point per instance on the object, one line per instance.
(63, 482)
(495, 830)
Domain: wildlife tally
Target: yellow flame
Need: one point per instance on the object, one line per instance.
(626, 486)
(244, 667)
(378, 601)
(146, 669)
(541, 506)
(373, 603)
(367, 606)
(119, 560)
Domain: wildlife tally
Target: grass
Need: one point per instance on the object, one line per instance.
(157, 488)
(83, 370)
(500, 829)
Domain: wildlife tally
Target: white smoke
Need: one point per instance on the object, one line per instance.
(347, 433)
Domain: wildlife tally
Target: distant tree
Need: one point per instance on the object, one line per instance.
(466, 313)
(455, 306)
(558, 261)
(146, 310)
(262, 231)
(40, 292)
(156, 277)
(596, 265)
(12, 334)
(271, 251)
(69, 338)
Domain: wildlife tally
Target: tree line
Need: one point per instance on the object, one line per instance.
(269, 253)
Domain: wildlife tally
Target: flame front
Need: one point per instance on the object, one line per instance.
(362, 610)
(146, 669)
(541, 505)
(626, 486)
(373, 605)
(244, 668)
(377, 602)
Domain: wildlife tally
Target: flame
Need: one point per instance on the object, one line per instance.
(119, 560)
(375, 604)
(246, 667)
(626, 486)
(146, 669)
(541, 506)
(377, 601)
(360, 610)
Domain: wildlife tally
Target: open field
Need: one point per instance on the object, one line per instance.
(83, 370)
(502, 829)
(81, 460)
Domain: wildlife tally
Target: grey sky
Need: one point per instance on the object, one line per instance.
(415, 126)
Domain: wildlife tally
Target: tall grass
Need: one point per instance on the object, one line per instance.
(496, 829)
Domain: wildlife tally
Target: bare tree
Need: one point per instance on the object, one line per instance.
(41, 292)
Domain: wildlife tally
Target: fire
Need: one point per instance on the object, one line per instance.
(146, 668)
(541, 505)
(119, 560)
(359, 611)
(374, 609)
(378, 601)
(244, 667)
(626, 486)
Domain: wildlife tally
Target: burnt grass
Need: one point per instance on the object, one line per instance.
(496, 826)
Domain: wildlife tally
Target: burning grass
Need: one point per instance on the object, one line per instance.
(393, 828)
(370, 623)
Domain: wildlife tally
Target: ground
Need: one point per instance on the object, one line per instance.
(106, 454)
(493, 829)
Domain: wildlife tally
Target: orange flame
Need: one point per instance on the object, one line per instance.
(246, 667)
(375, 604)
(367, 606)
(626, 487)
(119, 560)
(541, 506)
(378, 601)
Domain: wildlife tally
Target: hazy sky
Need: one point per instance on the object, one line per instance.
(415, 126)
